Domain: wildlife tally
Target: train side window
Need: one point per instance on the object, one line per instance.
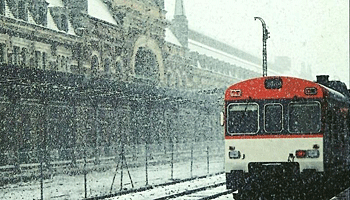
(340, 126)
(273, 118)
(332, 125)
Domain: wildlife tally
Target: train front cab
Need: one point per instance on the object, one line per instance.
(292, 134)
(264, 156)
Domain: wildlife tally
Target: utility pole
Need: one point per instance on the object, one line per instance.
(265, 37)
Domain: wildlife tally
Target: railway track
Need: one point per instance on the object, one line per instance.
(202, 193)
(345, 195)
(202, 188)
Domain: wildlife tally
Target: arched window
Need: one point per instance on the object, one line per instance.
(177, 80)
(24, 57)
(22, 11)
(44, 60)
(184, 80)
(168, 75)
(118, 50)
(2, 52)
(2, 7)
(94, 64)
(42, 14)
(64, 23)
(118, 67)
(146, 65)
(15, 55)
(59, 63)
(64, 63)
(107, 65)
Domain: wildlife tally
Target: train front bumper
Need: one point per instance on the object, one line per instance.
(270, 176)
(263, 173)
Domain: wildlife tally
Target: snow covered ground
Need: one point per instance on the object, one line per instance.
(99, 182)
(163, 191)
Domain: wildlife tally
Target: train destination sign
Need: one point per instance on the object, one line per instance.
(273, 83)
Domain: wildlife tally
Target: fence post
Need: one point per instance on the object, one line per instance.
(192, 160)
(85, 172)
(41, 175)
(97, 134)
(74, 132)
(121, 168)
(146, 152)
(172, 160)
(43, 146)
(208, 159)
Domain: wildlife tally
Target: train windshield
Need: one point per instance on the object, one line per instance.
(304, 117)
(273, 118)
(243, 118)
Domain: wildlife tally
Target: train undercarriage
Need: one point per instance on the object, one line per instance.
(285, 181)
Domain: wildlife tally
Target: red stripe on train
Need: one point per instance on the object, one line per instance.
(274, 136)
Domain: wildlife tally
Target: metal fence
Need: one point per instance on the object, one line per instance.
(95, 172)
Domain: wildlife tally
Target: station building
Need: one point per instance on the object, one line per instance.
(93, 74)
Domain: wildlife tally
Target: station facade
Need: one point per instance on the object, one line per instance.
(94, 74)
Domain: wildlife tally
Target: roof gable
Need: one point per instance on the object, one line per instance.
(99, 10)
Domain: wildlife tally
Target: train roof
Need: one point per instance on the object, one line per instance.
(280, 87)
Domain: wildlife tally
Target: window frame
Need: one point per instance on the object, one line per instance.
(258, 119)
(282, 118)
(320, 117)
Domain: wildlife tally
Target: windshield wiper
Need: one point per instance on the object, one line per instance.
(245, 114)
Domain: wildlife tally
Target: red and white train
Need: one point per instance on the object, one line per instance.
(288, 127)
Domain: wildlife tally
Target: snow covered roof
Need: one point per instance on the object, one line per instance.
(223, 56)
(8, 13)
(170, 37)
(55, 3)
(51, 23)
(99, 10)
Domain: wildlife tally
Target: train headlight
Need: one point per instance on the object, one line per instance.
(312, 153)
(234, 154)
